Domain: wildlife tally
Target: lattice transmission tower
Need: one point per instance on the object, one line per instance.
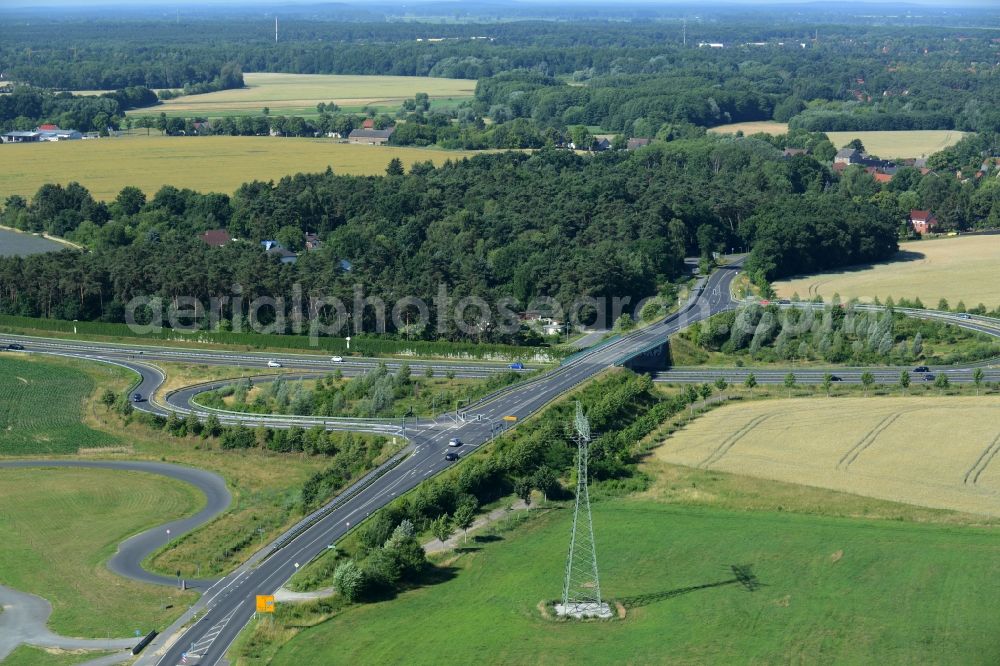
(582, 585)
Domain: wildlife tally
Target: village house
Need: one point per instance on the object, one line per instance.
(372, 137)
(637, 142)
(312, 241)
(21, 137)
(923, 221)
(216, 237)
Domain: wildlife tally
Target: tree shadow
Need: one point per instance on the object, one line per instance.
(487, 538)
(899, 257)
(467, 549)
(431, 575)
(743, 575)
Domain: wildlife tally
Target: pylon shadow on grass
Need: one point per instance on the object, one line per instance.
(742, 575)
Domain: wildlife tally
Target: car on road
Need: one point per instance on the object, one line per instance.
(921, 368)
(929, 377)
(784, 301)
(836, 378)
(273, 364)
(517, 365)
(964, 315)
(337, 359)
(454, 441)
(15, 347)
(136, 397)
(451, 456)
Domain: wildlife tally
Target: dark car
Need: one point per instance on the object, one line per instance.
(517, 365)
(835, 378)
(15, 347)
(136, 397)
(451, 455)
(921, 368)
(929, 377)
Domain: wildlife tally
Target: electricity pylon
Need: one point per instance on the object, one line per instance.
(582, 585)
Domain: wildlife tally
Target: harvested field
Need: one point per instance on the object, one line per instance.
(965, 268)
(299, 93)
(934, 452)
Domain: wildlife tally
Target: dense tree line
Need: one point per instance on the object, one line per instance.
(838, 333)
(637, 78)
(25, 108)
(552, 224)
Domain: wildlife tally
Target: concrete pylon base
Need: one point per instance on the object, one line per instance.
(582, 611)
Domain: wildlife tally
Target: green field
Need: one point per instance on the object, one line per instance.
(833, 591)
(59, 527)
(298, 94)
(41, 405)
(958, 269)
(205, 164)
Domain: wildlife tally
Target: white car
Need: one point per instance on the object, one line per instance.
(454, 441)
(337, 359)
(273, 364)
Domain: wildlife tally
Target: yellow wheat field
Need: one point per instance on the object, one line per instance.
(202, 163)
(966, 268)
(934, 452)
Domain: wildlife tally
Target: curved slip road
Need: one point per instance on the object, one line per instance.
(131, 552)
(25, 615)
(229, 605)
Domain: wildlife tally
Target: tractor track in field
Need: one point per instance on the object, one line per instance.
(727, 444)
(865, 442)
(982, 462)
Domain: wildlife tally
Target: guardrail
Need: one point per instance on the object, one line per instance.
(360, 485)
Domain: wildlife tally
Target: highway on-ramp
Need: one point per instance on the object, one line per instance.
(131, 552)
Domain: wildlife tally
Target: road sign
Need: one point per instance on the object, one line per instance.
(265, 603)
(510, 418)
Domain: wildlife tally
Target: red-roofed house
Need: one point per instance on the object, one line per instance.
(923, 221)
(367, 123)
(216, 237)
(882, 177)
(48, 127)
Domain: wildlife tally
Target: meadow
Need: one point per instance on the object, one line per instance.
(958, 269)
(60, 526)
(205, 164)
(41, 406)
(298, 94)
(902, 449)
(887, 144)
(831, 592)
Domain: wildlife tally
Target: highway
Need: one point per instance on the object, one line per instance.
(232, 603)
(229, 604)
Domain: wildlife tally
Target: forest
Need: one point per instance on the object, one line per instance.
(639, 78)
(507, 225)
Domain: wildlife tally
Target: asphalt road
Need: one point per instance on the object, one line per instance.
(229, 604)
(233, 605)
(131, 552)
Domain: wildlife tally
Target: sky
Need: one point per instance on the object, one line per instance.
(166, 4)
